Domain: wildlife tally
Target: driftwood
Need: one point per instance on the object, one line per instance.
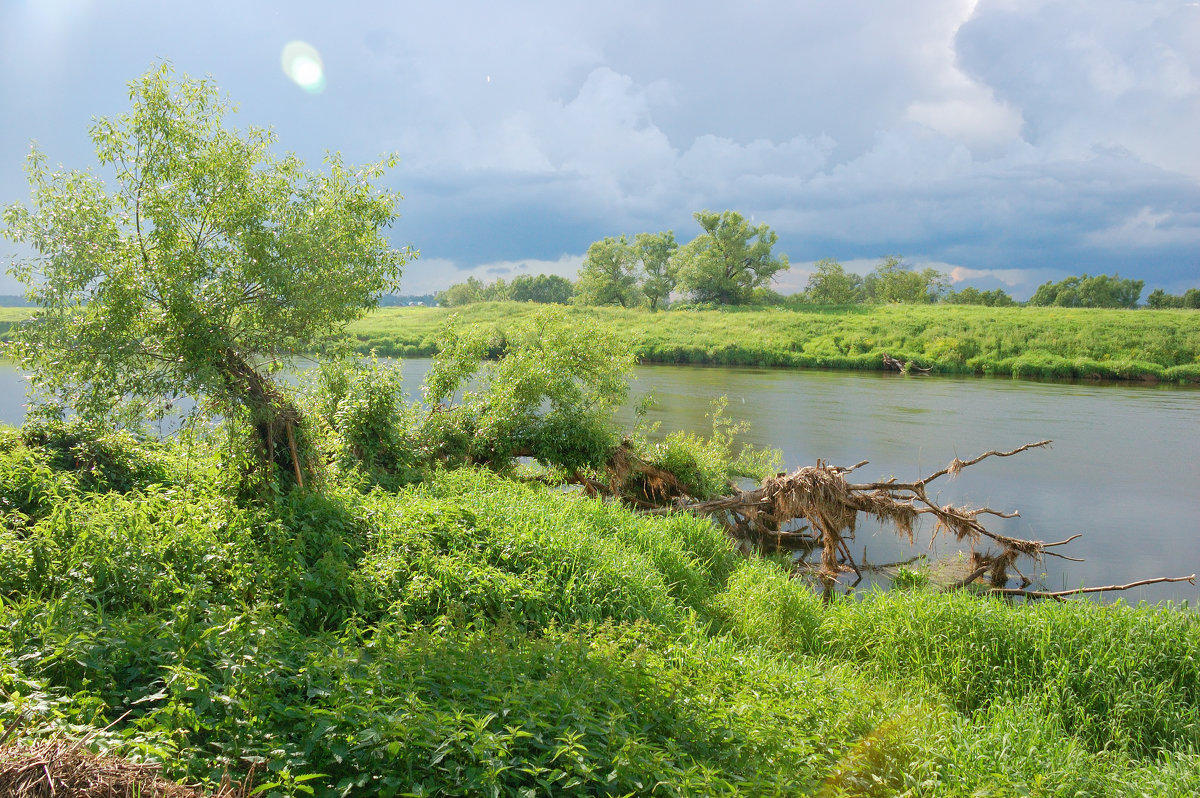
(817, 508)
(1062, 594)
(895, 364)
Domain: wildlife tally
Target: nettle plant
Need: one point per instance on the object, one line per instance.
(197, 266)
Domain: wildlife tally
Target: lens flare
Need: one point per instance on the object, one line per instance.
(302, 63)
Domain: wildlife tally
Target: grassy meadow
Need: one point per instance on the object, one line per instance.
(1029, 342)
(474, 635)
(1023, 342)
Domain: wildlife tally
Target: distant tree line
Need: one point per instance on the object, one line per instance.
(544, 288)
(1161, 299)
(400, 300)
(890, 282)
(731, 263)
(1101, 291)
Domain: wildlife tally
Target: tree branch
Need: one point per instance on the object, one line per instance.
(1061, 594)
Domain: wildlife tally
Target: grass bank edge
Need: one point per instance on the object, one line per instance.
(1026, 343)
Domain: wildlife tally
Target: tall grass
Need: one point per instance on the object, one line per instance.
(1017, 342)
(473, 635)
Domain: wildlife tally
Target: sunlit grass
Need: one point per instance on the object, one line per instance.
(1041, 343)
(473, 635)
(952, 339)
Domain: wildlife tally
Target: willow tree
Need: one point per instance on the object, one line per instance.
(730, 263)
(194, 262)
(608, 275)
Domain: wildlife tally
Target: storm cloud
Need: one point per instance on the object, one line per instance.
(1005, 142)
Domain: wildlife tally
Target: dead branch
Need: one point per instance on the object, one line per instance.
(1061, 594)
(953, 469)
(895, 364)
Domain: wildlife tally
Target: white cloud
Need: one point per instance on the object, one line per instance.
(1009, 277)
(1117, 73)
(1149, 228)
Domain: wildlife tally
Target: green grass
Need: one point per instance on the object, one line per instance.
(10, 315)
(1022, 342)
(473, 635)
(952, 339)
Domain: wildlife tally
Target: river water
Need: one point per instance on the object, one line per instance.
(1123, 470)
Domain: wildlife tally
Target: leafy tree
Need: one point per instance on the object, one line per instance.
(1101, 291)
(609, 274)
(969, 295)
(831, 284)
(460, 294)
(656, 252)
(730, 261)
(544, 288)
(498, 291)
(207, 263)
(1161, 299)
(474, 290)
(1063, 293)
(892, 281)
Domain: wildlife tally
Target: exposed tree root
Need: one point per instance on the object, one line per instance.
(768, 518)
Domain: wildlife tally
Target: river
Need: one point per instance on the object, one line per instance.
(1123, 469)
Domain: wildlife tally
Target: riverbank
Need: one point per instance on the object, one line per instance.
(472, 633)
(1021, 342)
(1039, 343)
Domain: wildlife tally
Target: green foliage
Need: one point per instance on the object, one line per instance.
(730, 261)
(706, 466)
(1026, 342)
(471, 635)
(550, 395)
(467, 547)
(460, 294)
(102, 460)
(996, 298)
(893, 282)
(30, 484)
(656, 251)
(370, 424)
(543, 288)
(1161, 299)
(207, 261)
(831, 284)
(608, 275)
(910, 578)
(1118, 678)
(1101, 291)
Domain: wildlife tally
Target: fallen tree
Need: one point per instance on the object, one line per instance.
(895, 364)
(816, 509)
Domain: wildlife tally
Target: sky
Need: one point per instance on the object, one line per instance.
(1004, 142)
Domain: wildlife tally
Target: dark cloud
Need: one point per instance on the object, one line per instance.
(1005, 139)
